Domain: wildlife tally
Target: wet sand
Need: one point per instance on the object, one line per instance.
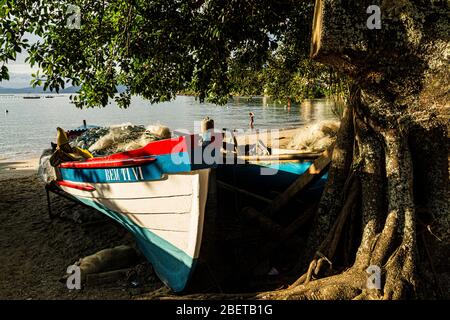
(35, 250)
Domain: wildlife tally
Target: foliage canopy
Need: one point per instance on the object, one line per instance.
(158, 48)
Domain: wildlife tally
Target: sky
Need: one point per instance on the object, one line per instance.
(19, 71)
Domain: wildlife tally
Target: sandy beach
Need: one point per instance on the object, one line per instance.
(36, 250)
(15, 169)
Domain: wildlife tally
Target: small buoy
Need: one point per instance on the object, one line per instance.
(6, 111)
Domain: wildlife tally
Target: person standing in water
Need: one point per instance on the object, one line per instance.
(252, 120)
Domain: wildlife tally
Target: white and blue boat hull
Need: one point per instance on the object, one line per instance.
(165, 216)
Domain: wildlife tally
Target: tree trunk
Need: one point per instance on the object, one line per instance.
(391, 164)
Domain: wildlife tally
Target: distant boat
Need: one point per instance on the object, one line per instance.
(32, 97)
(49, 97)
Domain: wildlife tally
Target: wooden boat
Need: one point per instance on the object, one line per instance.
(158, 193)
(31, 97)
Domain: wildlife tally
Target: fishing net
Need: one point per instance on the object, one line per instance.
(46, 171)
(125, 137)
(315, 137)
(103, 141)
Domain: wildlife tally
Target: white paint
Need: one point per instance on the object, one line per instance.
(173, 208)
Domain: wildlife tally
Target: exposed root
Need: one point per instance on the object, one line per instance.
(332, 200)
(393, 249)
(344, 286)
(399, 279)
(328, 248)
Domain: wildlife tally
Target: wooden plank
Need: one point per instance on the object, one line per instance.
(275, 231)
(278, 157)
(279, 235)
(230, 187)
(314, 170)
(270, 137)
(267, 225)
(292, 228)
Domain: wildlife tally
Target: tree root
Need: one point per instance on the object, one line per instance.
(393, 249)
(328, 248)
(332, 201)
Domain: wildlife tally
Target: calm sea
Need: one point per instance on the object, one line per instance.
(30, 125)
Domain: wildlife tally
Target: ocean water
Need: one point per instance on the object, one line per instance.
(30, 124)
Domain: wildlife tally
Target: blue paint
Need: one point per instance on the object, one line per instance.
(297, 168)
(264, 178)
(172, 265)
(177, 162)
(167, 163)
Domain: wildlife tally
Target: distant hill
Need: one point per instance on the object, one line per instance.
(37, 90)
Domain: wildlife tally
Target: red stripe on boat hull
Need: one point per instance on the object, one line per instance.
(98, 163)
(68, 184)
(134, 157)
